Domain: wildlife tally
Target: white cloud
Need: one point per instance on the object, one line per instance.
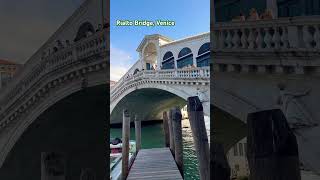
(120, 62)
(116, 72)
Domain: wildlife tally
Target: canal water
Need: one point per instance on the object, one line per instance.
(152, 137)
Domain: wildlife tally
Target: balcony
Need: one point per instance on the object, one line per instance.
(284, 45)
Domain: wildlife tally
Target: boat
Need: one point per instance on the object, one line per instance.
(116, 156)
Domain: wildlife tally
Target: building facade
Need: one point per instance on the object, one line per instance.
(159, 52)
(7, 70)
(237, 159)
(228, 9)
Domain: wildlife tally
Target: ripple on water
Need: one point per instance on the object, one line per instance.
(189, 153)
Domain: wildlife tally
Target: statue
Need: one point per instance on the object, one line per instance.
(295, 112)
(202, 95)
(303, 125)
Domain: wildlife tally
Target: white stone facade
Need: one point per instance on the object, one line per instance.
(157, 45)
(47, 78)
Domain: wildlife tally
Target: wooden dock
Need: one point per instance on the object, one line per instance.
(153, 164)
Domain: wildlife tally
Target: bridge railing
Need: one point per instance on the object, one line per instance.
(298, 33)
(89, 46)
(168, 74)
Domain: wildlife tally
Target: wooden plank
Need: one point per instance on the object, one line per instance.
(154, 164)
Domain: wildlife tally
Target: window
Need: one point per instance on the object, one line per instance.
(235, 150)
(5, 78)
(168, 61)
(167, 56)
(185, 58)
(148, 66)
(236, 167)
(203, 58)
(240, 149)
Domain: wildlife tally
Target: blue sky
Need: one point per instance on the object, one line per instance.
(191, 17)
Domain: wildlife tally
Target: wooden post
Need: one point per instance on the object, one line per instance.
(177, 132)
(171, 136)
(125, 144)
(166, 129)
(137, 124)
(220, 166)
(198, 128)
(272, 147)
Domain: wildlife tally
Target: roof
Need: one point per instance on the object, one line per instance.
(6, 62)
(152, 36)
(187, 39)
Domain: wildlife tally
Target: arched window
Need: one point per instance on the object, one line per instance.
(185, 58)
(203, 58)
(84, 30)
(168, 61)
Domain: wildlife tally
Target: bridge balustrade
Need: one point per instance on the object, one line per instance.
(163, 75)
(286, 34)
(30, 75)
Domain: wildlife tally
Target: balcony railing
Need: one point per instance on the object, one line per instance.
(283, 34)
(168, 74)
(82, 49)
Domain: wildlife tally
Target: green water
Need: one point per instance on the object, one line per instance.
(152, 137)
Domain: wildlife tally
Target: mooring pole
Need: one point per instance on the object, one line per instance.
(171, 135)
(272, 147)
(177, 132)
(166, 129)
(199, 132)
(125, 144)
(137, 125)
(220, 166)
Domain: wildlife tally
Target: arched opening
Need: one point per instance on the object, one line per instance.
(150, 56)
(71, 127)
(228, 129)
(168, 61)
(203, 58)
(147, 103)
(85, 30)
(185, 58)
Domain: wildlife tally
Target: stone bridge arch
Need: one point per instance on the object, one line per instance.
(170, 97)
(179, 84)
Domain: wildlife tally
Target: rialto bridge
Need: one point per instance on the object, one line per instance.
(267, 64)
(166, 74)
(56, 104)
